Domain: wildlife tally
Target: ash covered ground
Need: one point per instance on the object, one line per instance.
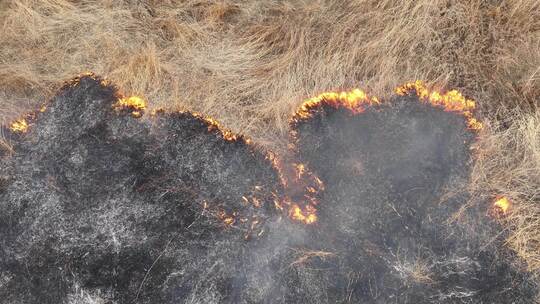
(100, 206)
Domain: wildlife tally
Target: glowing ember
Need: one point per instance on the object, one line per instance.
(74, 82)
(214, 125)
(503, 205)
(307, 216)
(451, 101)
(278, 204)
(134, 103)
(20, 126)
(301, 188)
(353, 100)
(228, 221)
(300, 170)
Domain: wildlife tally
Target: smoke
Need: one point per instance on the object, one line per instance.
(103, 205)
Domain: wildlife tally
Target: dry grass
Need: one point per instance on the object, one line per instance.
(416, 271)
(509, 164)
(250, 63)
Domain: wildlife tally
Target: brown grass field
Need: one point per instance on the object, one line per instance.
(249, 64)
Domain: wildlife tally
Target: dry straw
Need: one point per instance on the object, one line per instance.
(249, 64)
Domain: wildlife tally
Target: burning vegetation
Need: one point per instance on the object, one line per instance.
(301, 190)
(370, 205)
(451, 101)
(502, 205)
(20, 125)
(135, 104)
(355, 101)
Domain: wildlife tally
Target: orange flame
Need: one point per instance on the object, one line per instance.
(134, 103)
(502, 205)
(307, 216)
(75, 81)
(214, 125)
(357, 100)
(451, 101)
(354, 100)
(234, 219)
(19, 126)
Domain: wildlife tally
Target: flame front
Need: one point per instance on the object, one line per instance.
(19, 126)
(213, 124)
(452, 101)
(354, 100)
(134, 103)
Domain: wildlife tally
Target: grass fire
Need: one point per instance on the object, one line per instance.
(370, 204)
(250, 152)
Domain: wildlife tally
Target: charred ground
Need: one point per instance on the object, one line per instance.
(396, 210)
(94, 197)
(99, 205)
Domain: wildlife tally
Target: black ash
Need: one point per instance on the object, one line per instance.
(102, 206)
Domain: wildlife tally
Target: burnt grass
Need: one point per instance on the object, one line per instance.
(98, 206)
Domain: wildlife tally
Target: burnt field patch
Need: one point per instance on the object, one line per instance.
(104, 202)
(396, 209)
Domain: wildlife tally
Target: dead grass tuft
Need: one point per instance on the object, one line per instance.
(416, 271)
(306, 255)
